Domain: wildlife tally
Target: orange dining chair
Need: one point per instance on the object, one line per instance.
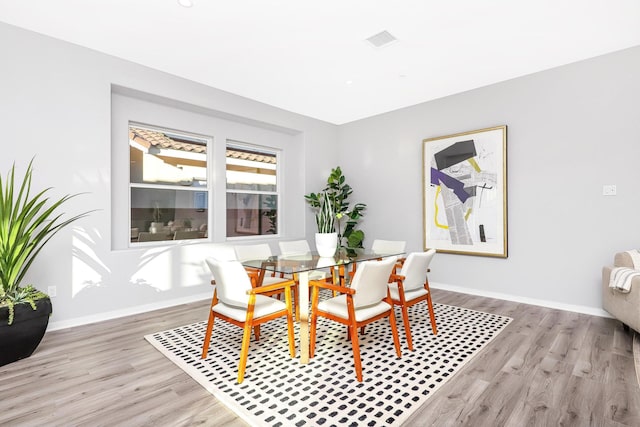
(384, 248)
(412, 286)
(262, 251)
(221, 252)
(236, 301)
(300, 248)
(365, 301)
(389, 247)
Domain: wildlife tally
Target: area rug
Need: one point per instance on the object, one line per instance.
(279, 391)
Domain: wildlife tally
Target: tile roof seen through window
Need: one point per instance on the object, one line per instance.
(251, 155)
(151, 138)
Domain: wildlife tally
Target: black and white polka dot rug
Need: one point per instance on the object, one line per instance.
(279, 391)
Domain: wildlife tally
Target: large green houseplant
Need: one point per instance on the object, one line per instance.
(27, 223)
(332, 204)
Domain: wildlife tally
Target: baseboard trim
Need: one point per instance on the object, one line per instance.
(109, 315)
(515, 298)
(85, 320)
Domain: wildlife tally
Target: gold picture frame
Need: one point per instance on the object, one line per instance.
(465, 192)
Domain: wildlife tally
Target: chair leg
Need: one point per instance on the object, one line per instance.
(207, 335)
(256, 332)
(394, 330)
(355, 344)
(407, 327)
(434, 328)
(244, 352)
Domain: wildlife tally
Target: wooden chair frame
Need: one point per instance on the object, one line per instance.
(261, 273)
(252, 322)
(351, 322)
(262, 251)
(404, 304)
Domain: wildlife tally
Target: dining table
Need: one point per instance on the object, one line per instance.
(299, 266)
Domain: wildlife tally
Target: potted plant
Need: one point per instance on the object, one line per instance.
(271, 213)
(27, 223)
(157, 224)
(337, 192)
(326, 237)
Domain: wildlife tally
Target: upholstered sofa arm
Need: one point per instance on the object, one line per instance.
(623, 306)
(622, 259)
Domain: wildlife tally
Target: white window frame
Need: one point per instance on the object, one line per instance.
(141, 108)
(208, 189)
(231, 144)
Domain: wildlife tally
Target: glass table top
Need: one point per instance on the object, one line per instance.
(309, 261)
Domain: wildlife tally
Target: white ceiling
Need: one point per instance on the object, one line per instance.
(311, 57)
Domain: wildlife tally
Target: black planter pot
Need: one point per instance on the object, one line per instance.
(20, 339)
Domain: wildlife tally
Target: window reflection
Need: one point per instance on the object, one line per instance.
(252, 191)
(165, 170)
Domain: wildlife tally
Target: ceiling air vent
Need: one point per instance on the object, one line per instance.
(381, 39)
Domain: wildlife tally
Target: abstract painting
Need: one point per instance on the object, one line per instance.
(465, 192)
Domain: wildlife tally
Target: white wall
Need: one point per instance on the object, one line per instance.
(55, 103)
(570, 130)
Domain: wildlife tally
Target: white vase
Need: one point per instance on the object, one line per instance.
(326, 244)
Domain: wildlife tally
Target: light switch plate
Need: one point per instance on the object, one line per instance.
(608, 190)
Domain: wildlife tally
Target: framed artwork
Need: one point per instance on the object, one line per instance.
(248, 214)
(465, 192)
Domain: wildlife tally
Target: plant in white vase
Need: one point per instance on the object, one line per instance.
(326, 216)
(326, 237)
(337, 193)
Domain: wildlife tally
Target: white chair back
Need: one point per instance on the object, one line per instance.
(221, 253)
(384, 247)
(232, 282)
(294, 247)
(251, 252)
(415, 269)
(370, 281)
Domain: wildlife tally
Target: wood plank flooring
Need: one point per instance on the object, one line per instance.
(547, 368)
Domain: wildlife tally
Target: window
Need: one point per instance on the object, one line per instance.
(147, 129)
(252, 191)
(168, 185)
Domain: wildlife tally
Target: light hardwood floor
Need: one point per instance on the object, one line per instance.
(547, 368)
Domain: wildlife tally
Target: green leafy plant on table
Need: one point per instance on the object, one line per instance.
(334, 198)
(326, 216)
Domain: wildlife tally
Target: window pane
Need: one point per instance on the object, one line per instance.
(251, 214)
(158, 214)
(251, 170)
(167, 159)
